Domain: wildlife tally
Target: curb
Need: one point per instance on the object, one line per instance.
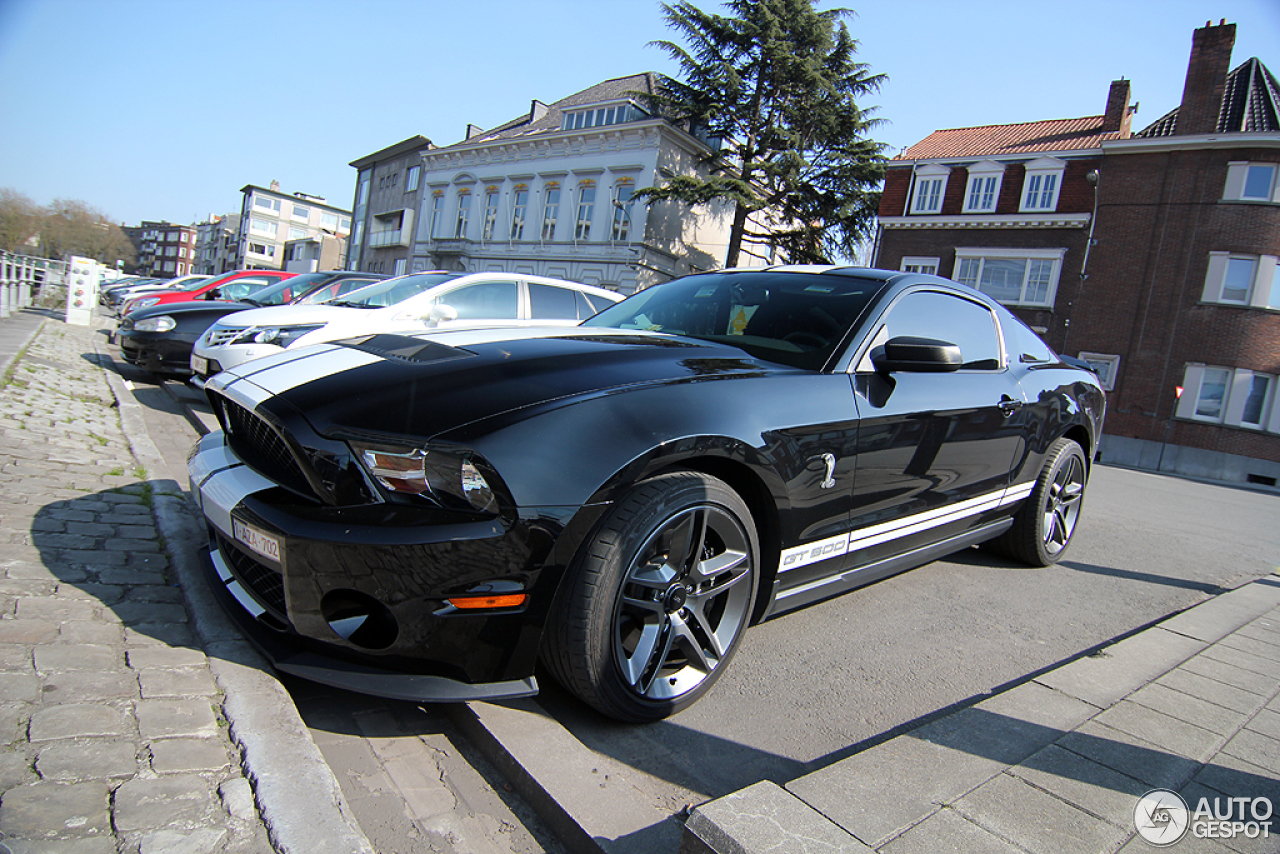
(296, 793)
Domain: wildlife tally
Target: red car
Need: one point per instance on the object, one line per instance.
(230, 286)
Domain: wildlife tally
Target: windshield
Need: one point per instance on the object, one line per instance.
(798, 319)
(287, 289)
(392, 291)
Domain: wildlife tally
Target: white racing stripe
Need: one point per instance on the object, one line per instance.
(223, 490)
(865, 538)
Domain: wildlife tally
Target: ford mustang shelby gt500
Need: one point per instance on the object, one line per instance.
(428, 516)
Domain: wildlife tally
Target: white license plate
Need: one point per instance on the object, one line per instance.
(260, 541)
(200, 365)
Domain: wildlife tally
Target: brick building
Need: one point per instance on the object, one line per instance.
(1152, 255)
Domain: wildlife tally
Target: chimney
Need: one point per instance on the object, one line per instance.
(1117, 115)
(474, 130)
(275, 186)
(537, 110)
(1206, 78)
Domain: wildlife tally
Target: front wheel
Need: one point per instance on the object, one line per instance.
(1043, 527)
(658, 600)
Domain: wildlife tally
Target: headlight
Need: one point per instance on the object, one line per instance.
(143, 302)
(163, 323)
(446, 478)
(280, 336)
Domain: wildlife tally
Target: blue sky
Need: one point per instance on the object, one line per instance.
(293, 90)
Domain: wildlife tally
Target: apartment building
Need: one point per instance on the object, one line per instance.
(388, 194)
(270, 218)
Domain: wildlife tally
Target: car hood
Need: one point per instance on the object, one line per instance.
(192, 307)
(299, 315)
(428, 384)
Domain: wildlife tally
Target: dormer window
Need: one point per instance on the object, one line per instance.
(984, 187)
(930, 187)
(1042, 184)
(613, 114)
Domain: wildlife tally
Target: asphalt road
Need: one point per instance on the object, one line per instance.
(814, 686)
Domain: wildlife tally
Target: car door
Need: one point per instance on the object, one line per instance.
(481, 303)
(935, 450)
(554, 306)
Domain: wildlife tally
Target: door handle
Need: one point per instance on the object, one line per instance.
(1008, 405)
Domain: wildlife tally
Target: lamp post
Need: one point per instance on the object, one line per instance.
(1177, 396)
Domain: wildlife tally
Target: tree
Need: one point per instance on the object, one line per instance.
(72, 227)
(776, 84)
(19, 220)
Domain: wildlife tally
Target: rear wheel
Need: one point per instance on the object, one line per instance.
(1043, 527)
(658, 600)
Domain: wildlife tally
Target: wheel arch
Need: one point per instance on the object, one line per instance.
(727, 459)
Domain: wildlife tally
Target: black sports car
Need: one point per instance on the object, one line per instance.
(160, 339)
(429, 516)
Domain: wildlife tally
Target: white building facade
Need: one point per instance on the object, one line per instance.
(270, 218)
(551, 194)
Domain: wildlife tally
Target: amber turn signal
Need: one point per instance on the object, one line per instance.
(506, 600)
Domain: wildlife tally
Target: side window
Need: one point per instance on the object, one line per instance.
(589, 304)
(929, 314)
(1022, 343)
(547, 302)
(485, 300)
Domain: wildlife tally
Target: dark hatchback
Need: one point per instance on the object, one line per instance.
(160, 339)
(431, 516)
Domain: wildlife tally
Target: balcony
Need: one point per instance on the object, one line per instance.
(380, 239)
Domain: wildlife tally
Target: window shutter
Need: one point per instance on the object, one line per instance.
(1236, 172)
(1215, 277)
(1190, 391)
(1262, 282)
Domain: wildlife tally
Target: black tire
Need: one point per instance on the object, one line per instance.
(638, 635)
(1043, 526)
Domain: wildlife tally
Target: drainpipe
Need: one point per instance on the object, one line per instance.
(1092, 177)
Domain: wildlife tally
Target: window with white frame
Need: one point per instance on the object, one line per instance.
(930, 187)
(1237, 397)
(599, 116)
(411, 180)
(519, 210)
(586, 207)
(266, 203)
(263, 226)
(490, 212)
(984, 187)
(464, 213)
(1026, 277)
(1240, 279)
(1105, 365)
(301, 212)
(920, 264)
(437, 214)
(296, 233)
(550, 209)
(1252, 182)
(622, 209)
(1042, 183)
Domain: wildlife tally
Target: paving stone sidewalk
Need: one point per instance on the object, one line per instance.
(112, 736)
(1056, 765)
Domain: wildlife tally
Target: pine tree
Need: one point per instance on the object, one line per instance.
(775, 83)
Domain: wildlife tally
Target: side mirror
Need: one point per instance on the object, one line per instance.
(441, 313)
(916, 355)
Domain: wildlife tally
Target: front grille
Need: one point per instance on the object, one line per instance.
(264, 584)
(219, 335)
(262, 448)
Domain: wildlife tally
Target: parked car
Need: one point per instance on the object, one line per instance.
(424, 516)
(229, 286)
(121, 284)
(159, 339)
(118, 295)
(432, 300)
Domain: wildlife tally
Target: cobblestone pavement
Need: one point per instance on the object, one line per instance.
(111, 724)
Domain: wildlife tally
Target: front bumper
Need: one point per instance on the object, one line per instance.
(154, 352)
(363, 606)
